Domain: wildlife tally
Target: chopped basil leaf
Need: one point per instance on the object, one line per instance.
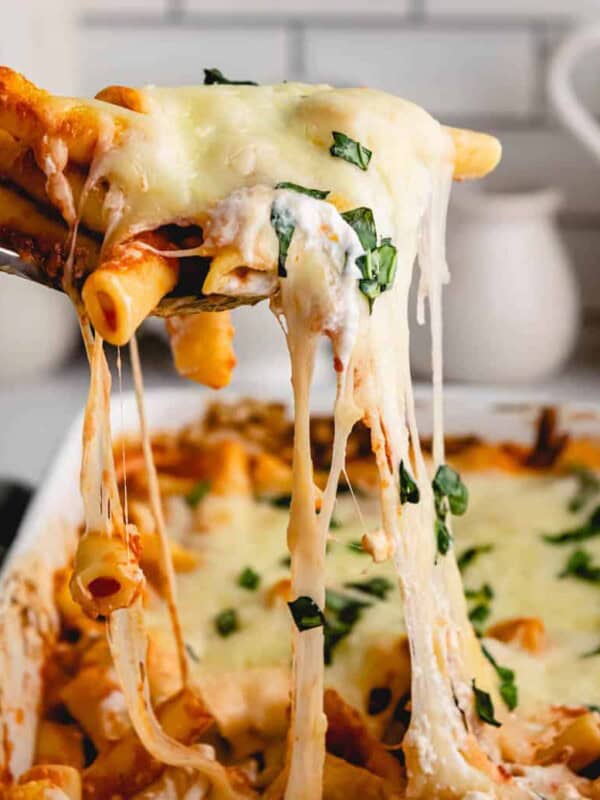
(509, 692)
(356, 547)
(484, 706)
(371, 290)
(226, 622)
(580, 566)
(470, 554)
(442, 536)
(249, 579)
(592, 707)
(588, 530)
(591, 653)
(449, 494)
(335, 632)
(318, 194)
(484, 594)
(215, 76)
(409, 491)
(350, 150)
(334, 524)
(447, 483)
(480, 612)
(508, 688)
(197, 493)
(378, 268)
(347, 608)
(306, 613)
(284, 227)
(192, 653)
(478, 616)
(343, 612)
(281, 501)
(285, 561)
(362, 221)
(378, 263)
(376, 587)
(379, 699)
(588, 486)
(386, 262)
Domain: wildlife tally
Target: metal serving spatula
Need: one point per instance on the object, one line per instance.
(180, 301)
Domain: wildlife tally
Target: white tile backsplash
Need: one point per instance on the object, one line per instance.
(543, 9)
(449, 72)
(173, 56)
(115, 7)
(300, 7)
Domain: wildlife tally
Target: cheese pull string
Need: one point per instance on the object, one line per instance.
(128, 646)
(157, 513)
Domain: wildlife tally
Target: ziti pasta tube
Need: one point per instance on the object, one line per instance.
(126, 288)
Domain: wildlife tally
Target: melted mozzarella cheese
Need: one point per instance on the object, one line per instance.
(513, 513)
(197, 145)
(507, 511)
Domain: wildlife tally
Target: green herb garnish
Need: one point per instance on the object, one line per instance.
(481, 611)
(483, 595)
(281, 501)
(249, 579)
(377, 586)
(347, 608)
(318, 194)
(356, 546)
(306, 613)
(588, 530)
(379, 699)
(335, 524)
(192, 653)
(484, 706)
(215, 76)
(284, 226)
(478, 616)
(350, 150)
(591, 653)
(470, 554)
(226, 622)
(285, 561)
(361, 220)
(443, 537)
(447, 483)
(580, 566)
(508, 688)
(378, 268)
(409, 491)
(377, 264)
(342, 613)
(450, 495)
(197, 493)
(588, 486)
(335, 632)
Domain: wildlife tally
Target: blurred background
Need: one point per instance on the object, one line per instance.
(526, 253)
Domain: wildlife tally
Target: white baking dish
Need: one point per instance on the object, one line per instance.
(47, 534)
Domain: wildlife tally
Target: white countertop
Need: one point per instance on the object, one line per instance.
(36, 414)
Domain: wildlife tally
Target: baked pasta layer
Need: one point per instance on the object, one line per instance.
(225, 486)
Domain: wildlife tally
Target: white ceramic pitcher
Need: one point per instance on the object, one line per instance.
(511, 310)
